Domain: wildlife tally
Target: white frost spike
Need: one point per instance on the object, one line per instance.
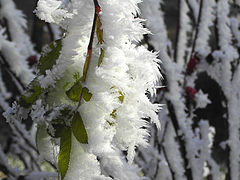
(51, 11)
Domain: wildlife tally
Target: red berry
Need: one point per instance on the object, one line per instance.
(98, 9)
(190, 92)
(32, 60)
(191, 66)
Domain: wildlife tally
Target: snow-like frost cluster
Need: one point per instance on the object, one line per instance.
(126, 70)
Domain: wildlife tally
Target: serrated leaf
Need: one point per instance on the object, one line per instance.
(44, 144)
(86, 94)
(48, 59)
(74, 93)
(31, 95)
(65, 151)
(100, 59)
(78, 129)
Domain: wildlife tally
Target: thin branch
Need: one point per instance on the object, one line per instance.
(197, 28)
(28, 142)
(192, 13)
(89, 50)
(178, 29)
(180, 138)
(161, 148)
(4, 64)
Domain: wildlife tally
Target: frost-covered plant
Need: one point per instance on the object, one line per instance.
(15, 74)
(200, 134)
(89, 96)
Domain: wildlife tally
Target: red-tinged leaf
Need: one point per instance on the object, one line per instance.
(99, 31)
(86, 65)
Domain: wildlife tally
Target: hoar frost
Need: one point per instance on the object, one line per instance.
(114, 111)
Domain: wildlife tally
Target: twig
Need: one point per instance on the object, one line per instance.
(4, 64)
(197, 28)
(161, 148)
(28, 142)
(89, 50)
(7, 29)
(37, 32)
(183, 150)
(177, 31)
(192, 13)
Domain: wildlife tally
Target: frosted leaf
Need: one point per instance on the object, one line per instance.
(51, 11)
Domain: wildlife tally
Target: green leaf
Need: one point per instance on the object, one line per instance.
(74, 93)
(86, 94)
(86, 64)
(121, 97)
(31, 95)
(44, 144)
(99, 31)
(100, 59)
(49, 58)
(78, 129)
(65, 151)
(114, 114)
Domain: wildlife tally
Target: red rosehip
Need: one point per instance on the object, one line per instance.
(191, 66)
(190, 92)
(32, 60)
